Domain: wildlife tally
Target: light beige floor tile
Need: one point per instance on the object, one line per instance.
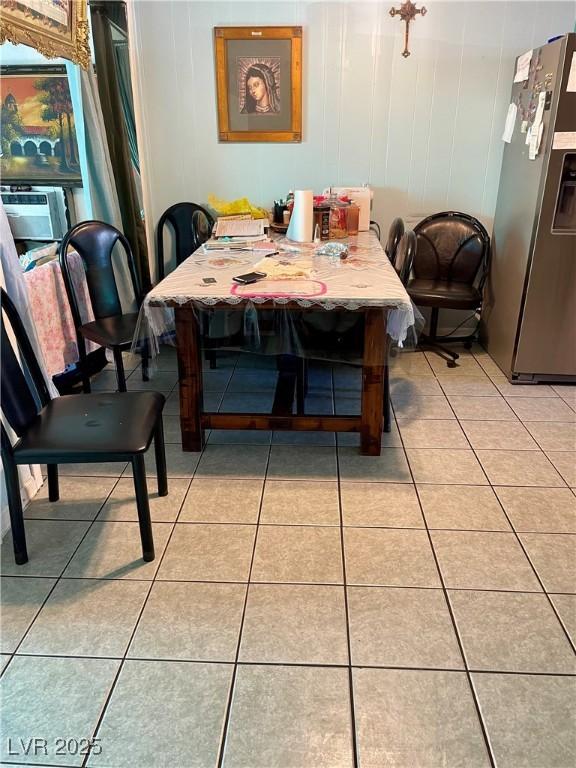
(302, 462)
(529, 718)
(114, 551)
(51, 544)
(185, 703)
(102, 469)
(508, 389)
(478, 560)
(4, 659)
(304, 438)
(80, 499)
(247, 402)
(401, 628)
(565, 463)
(190, 621)
(542, 510)
(121, 506)
(240, 437)
(87, 617)
(431, 433)
(445, 466)
(212, 402)
(405, 387)
(246, 380)
(415, 718)
(308, 725)
(554, 557)
(422, 407)
(211, 500)
(467, 507)
(233, 461)
(300, 502)
(389, 557)
(159, 381)
(172, 433)
(542, 409)
(481, 408)
(553, 435)
(204, 552)
(511, 632)
(179, 464)
(466, 364)
(519, 468)
(295, 624)
(105, 381)
(506, 435)
(21, 599)
(566, 607)
(567, 392)
(216, 381)
(390, 467)
(389, 439)
(380, 504)
(412, 363)
(50, 698)
(298, 554)
(471, 386)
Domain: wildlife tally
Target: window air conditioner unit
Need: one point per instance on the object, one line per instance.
(36, 215)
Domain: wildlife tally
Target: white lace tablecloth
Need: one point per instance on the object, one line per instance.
(364, 279)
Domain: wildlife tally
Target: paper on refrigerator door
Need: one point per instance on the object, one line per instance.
(564, 140)
(523, 67)
(540, 108)
(535, 140)
(510, 123)
(571, 84)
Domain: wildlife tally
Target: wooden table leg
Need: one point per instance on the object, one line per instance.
(190, 377)
(373, 381)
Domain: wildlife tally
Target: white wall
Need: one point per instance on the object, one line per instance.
(424, 131)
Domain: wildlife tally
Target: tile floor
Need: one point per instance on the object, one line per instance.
(309, 607)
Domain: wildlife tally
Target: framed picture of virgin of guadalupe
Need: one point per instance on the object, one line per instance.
(259, 83)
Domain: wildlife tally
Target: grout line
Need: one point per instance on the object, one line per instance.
(353, 727)
(226, 722)
(483, 727)
(132, 634)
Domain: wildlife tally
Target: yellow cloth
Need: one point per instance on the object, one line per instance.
(242, 205)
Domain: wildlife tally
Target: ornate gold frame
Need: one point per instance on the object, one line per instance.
(221, 35)
(19, 23)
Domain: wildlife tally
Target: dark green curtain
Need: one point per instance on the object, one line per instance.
(109, 90)
(125, 88)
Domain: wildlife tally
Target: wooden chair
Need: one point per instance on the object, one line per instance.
(89, 428)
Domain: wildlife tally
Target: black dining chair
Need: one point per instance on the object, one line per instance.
(95, 241)
(450, 268)
(91, 428)
(192, 226)
(394, 236)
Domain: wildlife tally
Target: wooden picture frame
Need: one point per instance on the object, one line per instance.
(259, 83)
(39, 144)
(55, 28)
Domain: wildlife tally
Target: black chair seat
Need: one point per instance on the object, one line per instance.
(75, 427)
(115, 331)
(444, 294)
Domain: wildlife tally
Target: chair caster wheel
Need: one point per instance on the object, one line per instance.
(452, 364)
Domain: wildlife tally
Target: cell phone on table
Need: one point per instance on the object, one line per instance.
(249, 277)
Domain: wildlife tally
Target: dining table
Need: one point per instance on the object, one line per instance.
(301, 278)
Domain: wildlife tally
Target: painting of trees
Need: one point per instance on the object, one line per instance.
(54, 94)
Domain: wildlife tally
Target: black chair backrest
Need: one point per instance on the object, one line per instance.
(192, 226)
(405, 254)
(95, 241)
(394, 235)
(19, 401)
(451, 246)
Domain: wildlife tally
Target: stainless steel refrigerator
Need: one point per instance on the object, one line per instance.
(529, 316)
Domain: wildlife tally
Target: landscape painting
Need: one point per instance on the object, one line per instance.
(38, 136)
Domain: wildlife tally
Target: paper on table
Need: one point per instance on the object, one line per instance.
(523, 67)
(239, 227)
(571, 84)
(564, 140)
(510, 123)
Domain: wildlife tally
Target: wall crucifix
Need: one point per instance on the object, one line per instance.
(407, 13)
